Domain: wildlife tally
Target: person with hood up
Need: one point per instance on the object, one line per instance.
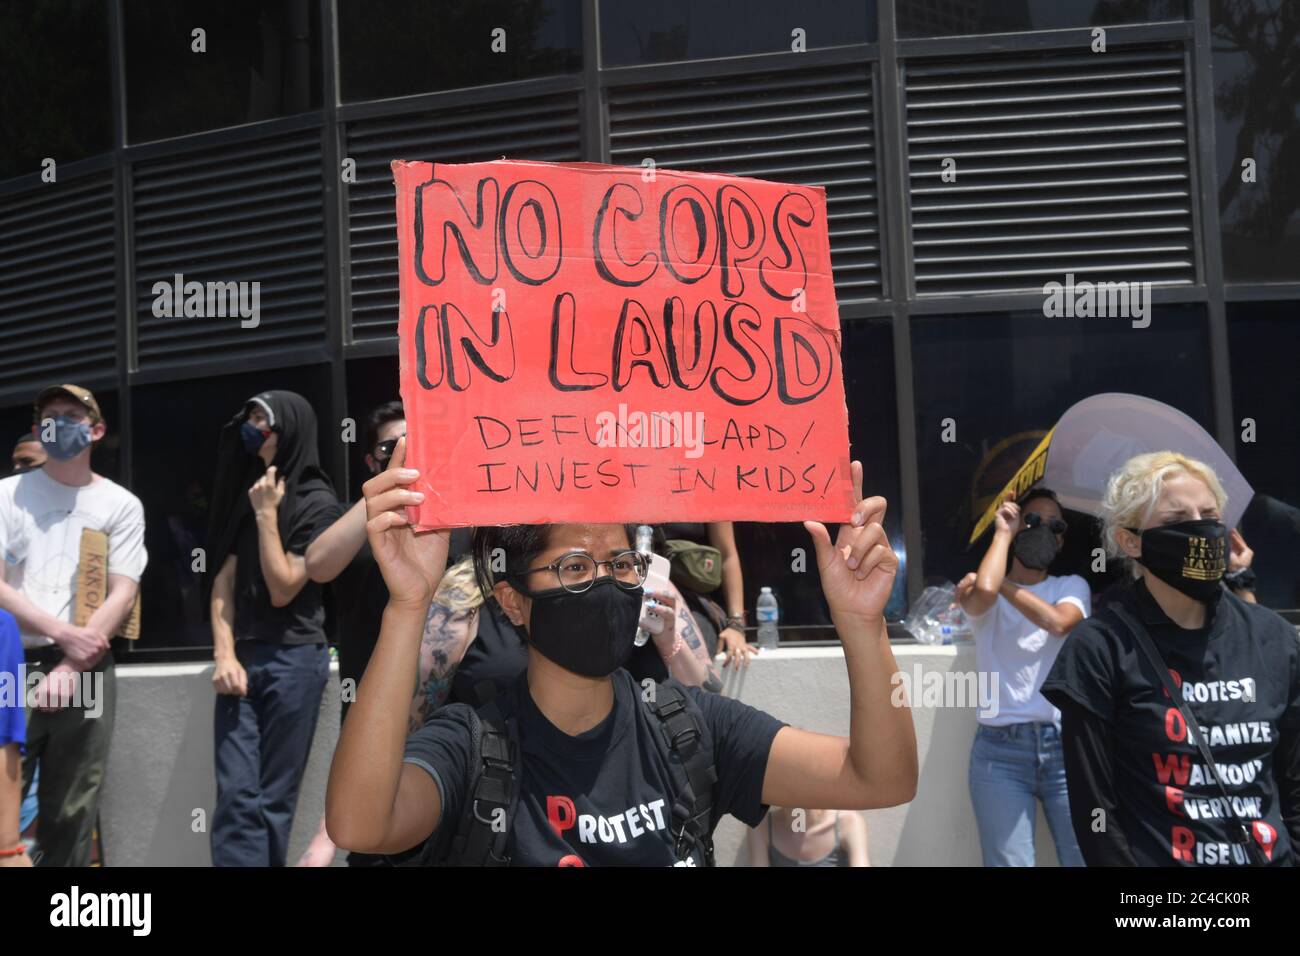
(270, 499)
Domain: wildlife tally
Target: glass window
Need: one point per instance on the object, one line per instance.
(371, 383)
(633, 32)
(55, 83)
(400, 47)
(174, 432)
(1257, 121)
(769, 552)
(926, 18)
(260, 60)
(1004, 379)
(1264, 340)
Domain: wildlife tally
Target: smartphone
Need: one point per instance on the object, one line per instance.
(656, 580)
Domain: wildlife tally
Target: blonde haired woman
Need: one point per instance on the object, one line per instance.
(1142, 791)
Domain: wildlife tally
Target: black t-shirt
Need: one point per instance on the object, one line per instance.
(602, 798)
(1240, 679)
(302, 621)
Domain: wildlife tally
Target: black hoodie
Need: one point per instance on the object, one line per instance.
(308, 507)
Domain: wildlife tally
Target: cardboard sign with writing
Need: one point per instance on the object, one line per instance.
(1025, 477)
(92, 584)
(598, 343)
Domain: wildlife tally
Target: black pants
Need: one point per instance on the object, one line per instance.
(262, 744)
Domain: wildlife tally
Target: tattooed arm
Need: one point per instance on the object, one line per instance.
(447, 634)
(692, 665)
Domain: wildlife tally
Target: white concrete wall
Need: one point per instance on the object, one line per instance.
(160, 768)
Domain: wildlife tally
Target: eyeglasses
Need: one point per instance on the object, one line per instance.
(1033, 519)
(576, 571)
(385, 448)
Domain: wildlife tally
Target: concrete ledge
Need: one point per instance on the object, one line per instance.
(160, 783)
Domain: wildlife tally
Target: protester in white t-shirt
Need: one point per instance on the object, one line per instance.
(1019, 617)
(42, 515)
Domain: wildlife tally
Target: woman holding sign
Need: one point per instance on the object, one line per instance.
(571, 768)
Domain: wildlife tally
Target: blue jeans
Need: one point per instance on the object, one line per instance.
(262, 742)
(1011, 768)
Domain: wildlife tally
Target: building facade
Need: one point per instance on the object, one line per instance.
(973, 151)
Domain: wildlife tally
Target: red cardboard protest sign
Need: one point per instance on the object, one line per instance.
(597, 343)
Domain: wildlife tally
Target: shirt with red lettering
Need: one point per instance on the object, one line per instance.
(1141, 790)
(603, 797)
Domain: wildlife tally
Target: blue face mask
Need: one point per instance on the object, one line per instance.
(252, 437)
(70, 438)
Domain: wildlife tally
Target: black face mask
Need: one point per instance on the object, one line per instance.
(1035, 548)
(1190, 556)
(589, 633)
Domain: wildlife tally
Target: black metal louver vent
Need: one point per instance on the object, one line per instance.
(1065, 163)
(249, 212)
(57, 295)
(809, 127)
(542, 128)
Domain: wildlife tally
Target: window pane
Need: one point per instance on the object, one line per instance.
(1257, 117)
(634, 32)
(174, 432)
(371, 383)
(924, 18)
(1004, 380)
(400, 47)
(1264, 340)
(55, 83)
(768, 550)
(261, 60)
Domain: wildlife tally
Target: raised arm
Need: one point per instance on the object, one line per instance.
(876, 765)
(285, 573)
(336, 546)
(374, 803)
(993, 569)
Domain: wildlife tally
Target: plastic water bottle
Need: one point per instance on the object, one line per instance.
(768, 614)
(645, 539)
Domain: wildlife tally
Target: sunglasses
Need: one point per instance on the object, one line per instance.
(1033, 519)
(385, 448)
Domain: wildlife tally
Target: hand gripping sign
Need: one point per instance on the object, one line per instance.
(583, 343)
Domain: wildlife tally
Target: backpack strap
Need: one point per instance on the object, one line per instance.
(1127, 622)
(482, 834)
(693, 772)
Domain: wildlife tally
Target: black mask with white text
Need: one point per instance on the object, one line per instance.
(1189, 556)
